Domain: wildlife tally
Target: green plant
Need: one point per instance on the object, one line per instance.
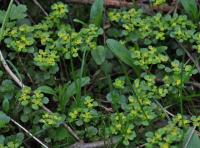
(130, 83)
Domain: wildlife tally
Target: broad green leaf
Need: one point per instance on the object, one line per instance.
(24, 117)
(191, 139)
(45, 100)
(2, 14)
(1, 73)
(7, 89)
(2, 139)
(18, 12)
(122, 53)
(96, 13)
(190, 7)
(4, 119)
(5, 105)
(99, 55)
(91, 131)
(46, 90)
(59, 134)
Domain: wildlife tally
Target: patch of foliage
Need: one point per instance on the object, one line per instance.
(116, 83)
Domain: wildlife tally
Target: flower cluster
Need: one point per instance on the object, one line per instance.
(59, 10)
(158, 2)
(140, 110)
(21, 39)
(53, 119)
(91, 32)
(196, 121)
(147, 88)
(46, 58)
(120, 125)
(177, 75)
(25, 96)
(35, 99)
(11, 144)
(53, 37)
(152, 29)
(196, 39)
(84, 114)
(148, 56)
(119, 84)
(171, 134)
(165, 137)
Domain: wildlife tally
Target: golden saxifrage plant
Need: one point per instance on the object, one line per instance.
(116, 83)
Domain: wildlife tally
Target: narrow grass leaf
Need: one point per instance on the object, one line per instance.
(190, 7)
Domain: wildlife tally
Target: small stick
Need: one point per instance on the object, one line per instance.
(66, 126)
(96, 144)
(40, 6)
(30, 134)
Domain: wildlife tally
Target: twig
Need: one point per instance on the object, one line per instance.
(20, 83)
(196, 84)
(40, 6)
(66, 126)
(108, 3)
(9, 71)
(190, 56)
(97, 144)
(190, 136)
(30, 134)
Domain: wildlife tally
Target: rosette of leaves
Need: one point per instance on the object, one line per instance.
(52, 120)
(84, 113)
(46, 59)
(177, 75)
(170, 135)
(148, 56)
(33, 99)
(21, 39)
(121, 125)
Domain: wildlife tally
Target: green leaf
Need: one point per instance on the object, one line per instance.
(46, 89)
(72, 87)
(18, 12)
(80, 22)
(69, 90)
(191, 139)
(45, 100)
(2, 139)
(5, 105)
(59, 134)
(79, 122)
(122, 53)
(190, 7)
(1, 73)
(96, 13)
(2, 15)
(4, 119)
(24, 118)
(99, 55)
(7, 89)
(91, 131)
